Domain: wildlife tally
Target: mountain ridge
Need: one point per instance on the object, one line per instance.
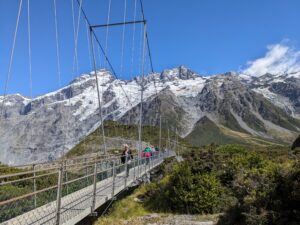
(267, 107)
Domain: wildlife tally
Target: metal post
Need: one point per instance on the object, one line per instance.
(175, 144)
(134, 164)
(146, 165)
(59, 190)
(66, 175)
(34, 185)
(118, 24)
(86, 172)
(101, 170)
(169, 144)
(142, 91)
(126, 167)
(114, 177)
(98, 91)
(94, 188)
(159, 133)
(140, 161)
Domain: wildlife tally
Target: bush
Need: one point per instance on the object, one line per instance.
(256, 186)
(269, 195)
(185, 192)
(232, 149)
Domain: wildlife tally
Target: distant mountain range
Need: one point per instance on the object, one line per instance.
(223, 108)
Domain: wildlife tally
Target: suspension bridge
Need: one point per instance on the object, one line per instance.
(66, 191)
(75, 189)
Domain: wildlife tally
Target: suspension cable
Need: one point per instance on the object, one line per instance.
(123, 37)
(103, 52)
(11, 58)
(98, 92)
(106, 35)
(142, 90)
(58, 67)
(30, 72)
(57, 44)
(99, 55)
(75, 61)
(77, 32)
(152, 70)
(29, 48)
(147, 39)
(89, 47)
(98, 42)
(133, 39)
(133, 45)
(141, 50)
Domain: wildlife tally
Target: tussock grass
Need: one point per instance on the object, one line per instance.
(125, 209)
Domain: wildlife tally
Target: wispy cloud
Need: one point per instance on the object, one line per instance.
(280, 58)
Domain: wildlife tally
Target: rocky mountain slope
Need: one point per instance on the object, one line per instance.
(222, 108)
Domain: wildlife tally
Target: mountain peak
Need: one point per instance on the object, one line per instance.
(231, 73)
(103, 75)
(180, 72)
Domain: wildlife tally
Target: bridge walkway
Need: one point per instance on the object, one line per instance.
(74, 207)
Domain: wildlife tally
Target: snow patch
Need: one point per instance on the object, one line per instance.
(277, 100)
(187, 88)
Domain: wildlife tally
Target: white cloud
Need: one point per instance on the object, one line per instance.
(279, 59)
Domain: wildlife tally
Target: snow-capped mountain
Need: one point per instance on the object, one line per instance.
(234, 106)
(282, 90)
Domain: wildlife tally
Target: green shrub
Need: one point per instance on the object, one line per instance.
(232, 149)
(185, 192)
(266, 195)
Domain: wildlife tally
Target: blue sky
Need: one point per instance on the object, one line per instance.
(208, 36)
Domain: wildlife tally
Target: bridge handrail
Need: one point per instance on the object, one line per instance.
(58, 163)
(101, 168)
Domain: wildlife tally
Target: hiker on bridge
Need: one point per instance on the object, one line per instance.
(156, 152)
(147, 154)
(126, 158)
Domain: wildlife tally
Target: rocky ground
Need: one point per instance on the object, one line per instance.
(168, 219)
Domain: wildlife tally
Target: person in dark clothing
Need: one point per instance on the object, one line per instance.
(126, 158)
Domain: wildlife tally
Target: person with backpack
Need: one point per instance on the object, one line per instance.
(126, 157)
(147, 154)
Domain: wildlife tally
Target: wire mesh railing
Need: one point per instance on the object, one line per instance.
(68, 191)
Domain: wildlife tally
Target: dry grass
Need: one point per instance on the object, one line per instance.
(124, 209)
(247, 137)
